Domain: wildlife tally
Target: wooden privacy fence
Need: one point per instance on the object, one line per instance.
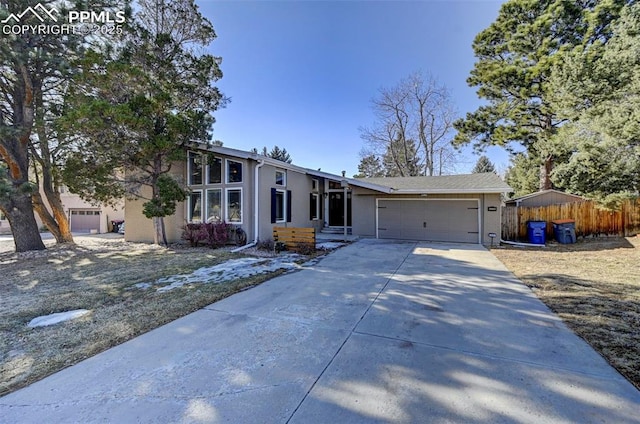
(589, 219)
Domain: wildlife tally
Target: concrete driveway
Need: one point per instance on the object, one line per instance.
(377, 332)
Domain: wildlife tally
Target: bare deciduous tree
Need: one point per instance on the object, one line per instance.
(414, 121)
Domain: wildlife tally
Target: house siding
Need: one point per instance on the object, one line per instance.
(140, 229)
(300, 187)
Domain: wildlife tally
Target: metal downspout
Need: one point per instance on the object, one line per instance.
(256, 217)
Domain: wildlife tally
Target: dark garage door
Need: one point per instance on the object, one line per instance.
(431, 220)
(83, 221)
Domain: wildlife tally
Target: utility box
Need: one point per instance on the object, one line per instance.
(564, 230)
(536, 232)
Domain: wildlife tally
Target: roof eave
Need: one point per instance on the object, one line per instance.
(454, 191)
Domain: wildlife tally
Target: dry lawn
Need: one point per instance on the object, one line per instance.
(594, 285)
(98, 275)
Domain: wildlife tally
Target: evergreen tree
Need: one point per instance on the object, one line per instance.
(597, 86)
(516, 55)
(483, 165)
(135, 115)
(523, 175)
(401, 159)
(276, 153)
(369, 166)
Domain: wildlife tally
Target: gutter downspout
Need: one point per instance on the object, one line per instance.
(256, 217)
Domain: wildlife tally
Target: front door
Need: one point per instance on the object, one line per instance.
(336, 209)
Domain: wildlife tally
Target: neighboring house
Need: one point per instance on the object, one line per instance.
(544, 198)
(257, 193)
(83, 216)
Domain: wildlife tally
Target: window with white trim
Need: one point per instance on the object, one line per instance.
(281, 177)
(314, 206)
(234, 171)
(281, 206)
(234, 205)
(314, 184)
(194, 168)
(194, 211)
(214, 170)
(214, 205)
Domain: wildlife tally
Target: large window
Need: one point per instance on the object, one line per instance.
(234, 171)
(194, 169)
(214, 205)
(214, 166)
(234, 205)
(194, 214)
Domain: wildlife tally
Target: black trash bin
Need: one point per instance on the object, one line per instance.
(564, 230)
(536, 232)
(115, 225)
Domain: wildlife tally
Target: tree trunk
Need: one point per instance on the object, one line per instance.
(58, 223)
(24, 227)
(15, 152)
(545, 173)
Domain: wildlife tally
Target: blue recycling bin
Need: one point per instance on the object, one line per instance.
(564, 230)
(536, 232)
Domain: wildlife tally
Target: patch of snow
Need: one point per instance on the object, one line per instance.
(330, 245)
(227, 271)
(56, 318)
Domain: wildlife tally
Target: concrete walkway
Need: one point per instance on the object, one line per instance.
(377, 332)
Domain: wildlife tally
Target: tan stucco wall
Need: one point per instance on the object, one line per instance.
(139, 228)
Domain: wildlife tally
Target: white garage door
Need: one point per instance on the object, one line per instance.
(430, 220)
(83, 221)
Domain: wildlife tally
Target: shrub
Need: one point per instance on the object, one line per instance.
(267, 244)
(218, 233)
(194, 233)
(306, 248)
(241, 236)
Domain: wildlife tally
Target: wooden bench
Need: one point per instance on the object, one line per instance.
(293, 237)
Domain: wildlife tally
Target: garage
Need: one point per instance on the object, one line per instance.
(84, 220)
(447, 220)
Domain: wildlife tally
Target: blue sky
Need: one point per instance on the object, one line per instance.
(301, 74)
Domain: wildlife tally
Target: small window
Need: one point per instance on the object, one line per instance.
(214, 167)
(314, 185)
(214, 205)
(194, 168)
(281, 178)
(82, 212)
(281, 206)
(74, 212)
(334, 185)
(314, 206)
(234, 171)
(234, 205)
(194, 214)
